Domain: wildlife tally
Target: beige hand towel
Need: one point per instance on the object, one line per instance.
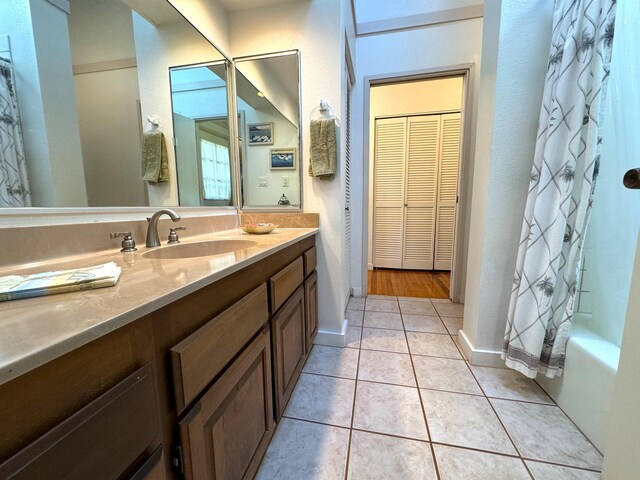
(155, 163)
(324, 148)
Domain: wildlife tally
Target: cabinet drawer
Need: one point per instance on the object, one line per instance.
(203, 354)
(102, 441)
(310, 261)
(285, 282)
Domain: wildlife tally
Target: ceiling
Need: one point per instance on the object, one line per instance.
(236, 5)
(380, 10)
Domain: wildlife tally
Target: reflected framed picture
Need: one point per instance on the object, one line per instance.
(261, 133)
(283, 158)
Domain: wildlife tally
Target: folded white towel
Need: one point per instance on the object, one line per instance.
(13, 287)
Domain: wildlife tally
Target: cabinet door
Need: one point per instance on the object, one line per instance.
(311, 308)
(289, 348)
(228, 430)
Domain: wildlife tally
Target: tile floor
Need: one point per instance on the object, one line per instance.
(399, 401)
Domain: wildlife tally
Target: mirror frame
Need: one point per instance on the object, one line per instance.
(274, 208)
(16, 217)
(235, 167)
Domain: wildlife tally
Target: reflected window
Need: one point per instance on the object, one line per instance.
(216, 171)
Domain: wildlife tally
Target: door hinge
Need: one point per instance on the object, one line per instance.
(176, 460)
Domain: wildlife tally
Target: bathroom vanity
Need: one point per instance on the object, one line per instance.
(183, 369)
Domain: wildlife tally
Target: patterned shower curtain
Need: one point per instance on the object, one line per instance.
(565, 169)
(14, 183)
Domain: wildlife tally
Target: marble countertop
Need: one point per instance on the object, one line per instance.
(35, 331)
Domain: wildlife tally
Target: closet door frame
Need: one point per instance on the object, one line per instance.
(469, 75)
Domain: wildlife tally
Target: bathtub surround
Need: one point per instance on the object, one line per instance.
(565, 169)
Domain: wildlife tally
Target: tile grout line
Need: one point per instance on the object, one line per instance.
(518, 454)
(444, 444)
(424, 412)
(353, 409)
(501, 423)
(570, 419)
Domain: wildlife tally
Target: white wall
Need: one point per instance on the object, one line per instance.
(40, 51)
(261, 76)
(256, 159)
(315, 29)
(210, 18)
(409, 98)
(458, 43)
(107, 103)
(515, 52)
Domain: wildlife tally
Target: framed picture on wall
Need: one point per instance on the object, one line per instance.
(283, 158)
(261, 133)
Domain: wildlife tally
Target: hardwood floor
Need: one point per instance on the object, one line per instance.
(409, 283)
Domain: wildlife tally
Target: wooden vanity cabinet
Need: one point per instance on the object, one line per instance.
(227, 431)
(193, 389)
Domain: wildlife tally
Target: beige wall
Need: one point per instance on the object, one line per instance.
(410, 98)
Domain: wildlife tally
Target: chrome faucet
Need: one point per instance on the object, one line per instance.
(152, 230)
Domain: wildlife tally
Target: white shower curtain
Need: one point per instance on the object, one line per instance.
(14, 183)
(566, 163)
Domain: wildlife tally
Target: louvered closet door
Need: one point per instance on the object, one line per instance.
(388, 192)
(421, 191)
(447, 191)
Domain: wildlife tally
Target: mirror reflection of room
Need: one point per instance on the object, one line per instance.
(201, 130)
(79, 84)
(267, 90)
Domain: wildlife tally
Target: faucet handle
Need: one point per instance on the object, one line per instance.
(128, 243)
(173, 236)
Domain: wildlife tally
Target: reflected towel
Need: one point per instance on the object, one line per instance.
(14, 287)
(324, 147)
(155, 163)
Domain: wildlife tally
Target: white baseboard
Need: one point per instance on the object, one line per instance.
(481, 358)
(357, 292)
(332, 339)
(370, 266)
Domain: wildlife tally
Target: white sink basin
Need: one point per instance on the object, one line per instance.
(199, 249)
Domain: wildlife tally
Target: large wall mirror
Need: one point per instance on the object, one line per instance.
(268, 102)
(76, 90)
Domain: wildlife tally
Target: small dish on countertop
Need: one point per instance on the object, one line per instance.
(259, 228)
